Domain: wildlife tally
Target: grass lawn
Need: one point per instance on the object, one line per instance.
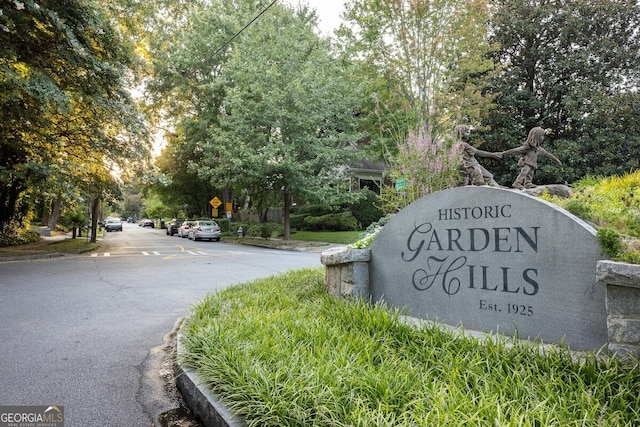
(43, 246)
(77, 245)
(282, 352)
(337, 237)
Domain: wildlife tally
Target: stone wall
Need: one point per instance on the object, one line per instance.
(347, 272)
(622, 283)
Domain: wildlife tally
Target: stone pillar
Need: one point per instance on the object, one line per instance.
(347, 272)
(623, 305)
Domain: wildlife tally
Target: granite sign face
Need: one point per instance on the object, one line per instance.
(493, 260)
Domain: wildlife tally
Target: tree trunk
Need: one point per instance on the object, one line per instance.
(9, 206)
(55, 213)
(46, 211)
(95, 205)
(263, 215)
(287, 208)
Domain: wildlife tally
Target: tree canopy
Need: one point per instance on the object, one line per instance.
(417, 56)
(272, 115)
(571, 67)
(67, 121)
(259, 108)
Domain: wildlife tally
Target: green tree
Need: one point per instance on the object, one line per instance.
(187, 91)
(288, 126)
(66, 121)
(267, 117)
(570, 66)
(416, 57)
(182, 189)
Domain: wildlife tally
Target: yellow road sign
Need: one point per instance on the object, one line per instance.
(215, 202)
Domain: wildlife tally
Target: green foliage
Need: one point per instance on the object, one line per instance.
(271, 113)
(344, 221)
(180, 186)
(264, 230)
(315, 209)
(613, 204)
(76, 218)
(66, 118)
(610, 242)
(155, 208)
(366, 239)
(416, 59)
(631, 257)
(280, 351)
(19, 238)
(570, 67)
(579, 208)
(297, 221)
(337, 237)
(269, 229)
(366, 209)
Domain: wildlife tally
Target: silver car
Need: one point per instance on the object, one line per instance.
(113, 224)
(206, 229)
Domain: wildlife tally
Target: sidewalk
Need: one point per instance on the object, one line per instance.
(39, 249)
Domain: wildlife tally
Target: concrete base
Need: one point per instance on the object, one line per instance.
(206, 406)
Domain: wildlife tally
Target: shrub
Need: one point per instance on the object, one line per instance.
(579, 208)
(370, 234)
(344, 221)
(366, 209)
(297, 221)
(611, 242)
(21, 238)
(225, 226)
(315, 210)
(263, 229)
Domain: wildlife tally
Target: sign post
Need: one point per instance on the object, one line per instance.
(215, 202)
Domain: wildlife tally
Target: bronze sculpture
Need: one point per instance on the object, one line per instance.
(478, 175)
(528, 161)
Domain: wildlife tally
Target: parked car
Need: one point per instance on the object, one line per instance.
(207, 229)
(113, 224)
(146, 223)
(173, 226)
(183, 230)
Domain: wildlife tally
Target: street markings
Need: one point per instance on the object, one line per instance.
(183, 252)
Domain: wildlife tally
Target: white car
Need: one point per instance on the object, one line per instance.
(183, 230)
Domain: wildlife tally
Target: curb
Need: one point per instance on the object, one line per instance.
(31, 257)
(207, 407)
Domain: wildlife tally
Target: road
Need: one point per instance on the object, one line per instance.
(88, 332)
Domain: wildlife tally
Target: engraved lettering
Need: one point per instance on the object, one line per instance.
(527, 276)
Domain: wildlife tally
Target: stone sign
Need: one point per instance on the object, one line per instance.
(493, 260)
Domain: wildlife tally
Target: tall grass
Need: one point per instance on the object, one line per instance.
(613, 205)
(609, 202)
(281, 352)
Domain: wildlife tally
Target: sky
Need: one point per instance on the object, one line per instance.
(328, 12)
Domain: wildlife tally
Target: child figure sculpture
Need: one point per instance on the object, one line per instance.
(529, 158)
(478, 174)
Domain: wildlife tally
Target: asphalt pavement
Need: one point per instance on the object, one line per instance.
(93, 332)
